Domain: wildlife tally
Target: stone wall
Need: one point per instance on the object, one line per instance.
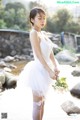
(77, 37)
(13, 42)
(70, 41)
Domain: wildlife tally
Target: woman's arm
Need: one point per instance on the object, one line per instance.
(35, 42)
(54, 63)
(53, 59)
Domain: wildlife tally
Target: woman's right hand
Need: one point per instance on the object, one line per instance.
(52, 75)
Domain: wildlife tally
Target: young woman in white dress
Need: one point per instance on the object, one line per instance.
(39, 73)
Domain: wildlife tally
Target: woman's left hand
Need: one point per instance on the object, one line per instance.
(56, 72)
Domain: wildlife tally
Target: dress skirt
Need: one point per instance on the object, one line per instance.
(35, 76)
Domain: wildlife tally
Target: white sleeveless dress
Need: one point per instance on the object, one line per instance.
(34, 74)
(18, 103)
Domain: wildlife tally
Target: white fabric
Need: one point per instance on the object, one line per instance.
(34, 74)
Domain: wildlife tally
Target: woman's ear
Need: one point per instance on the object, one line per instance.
(32, 20)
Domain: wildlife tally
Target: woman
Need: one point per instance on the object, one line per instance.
(38, 74)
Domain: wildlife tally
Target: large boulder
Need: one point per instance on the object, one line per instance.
(56, 48)
(10, 81)
(75, 91)
(65, 57)
(70, 108)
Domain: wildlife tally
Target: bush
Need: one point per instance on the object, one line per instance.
(2, 24)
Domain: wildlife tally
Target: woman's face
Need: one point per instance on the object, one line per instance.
(39, 20)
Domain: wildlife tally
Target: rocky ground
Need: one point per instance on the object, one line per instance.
(17, 102)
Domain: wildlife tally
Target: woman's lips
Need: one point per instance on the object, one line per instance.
(42, 24)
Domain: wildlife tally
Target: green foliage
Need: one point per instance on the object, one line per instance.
(61, 83)
(72, 27)
(9, 17)
(78, 20)
(1, 8)
(16, 6)
(50, 25)
(16, 16)
(34, 4)
(62, 20)
(15, 27)
(59, 20)
(0, 3)
(2, 24)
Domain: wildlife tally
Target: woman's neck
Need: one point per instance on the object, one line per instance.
(37, 29)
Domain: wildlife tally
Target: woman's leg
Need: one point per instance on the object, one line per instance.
(38, 107)
(36, 111)
(42, 110)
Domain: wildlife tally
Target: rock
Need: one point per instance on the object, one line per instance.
(56, 48)
(8, 59)
(2, 77)
(2, 80)
(75, 91)
(20, 57)
(70, 108)
(76, 72)
(0, 85)
(75, 63)
(10, 80)
(65, 57)
(7, 69)
(3, 64)
(78, 55)
(7, 66)
(13, 52)
(24, 57)
(11, 66)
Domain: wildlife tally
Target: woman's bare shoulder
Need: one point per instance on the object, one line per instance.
(33, 33)
(34, 37)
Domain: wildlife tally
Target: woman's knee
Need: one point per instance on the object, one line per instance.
(38, 100)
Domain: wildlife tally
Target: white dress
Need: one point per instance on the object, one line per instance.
(18, 103)
(34, 74)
